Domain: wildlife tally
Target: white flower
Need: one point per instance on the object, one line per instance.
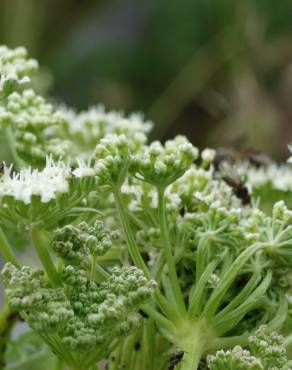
(279, 177)
(84, 169)
(46, 184)
(208, 155)
(95, 123)
(15, 68)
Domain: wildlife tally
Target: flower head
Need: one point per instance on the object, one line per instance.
(161, 165)
(15, 69)
(32, 120)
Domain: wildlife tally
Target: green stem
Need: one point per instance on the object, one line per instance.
(135, 253)
(93, 269)
(7, 321)
(190, 361)
(228, 342)
(101, 271)
(44, 256)
(167, 252)
(11, 143)
(59, 364)
(228, 278)
(160, 319)
(148, 344)
(7, 251)
(133, 248)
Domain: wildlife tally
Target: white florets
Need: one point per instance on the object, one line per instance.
(15, 68)
(278, 177)
(46, 184)
(95, 123)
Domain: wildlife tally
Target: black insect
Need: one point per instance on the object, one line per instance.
(2, 166)
(257, 158)
(174, 360)
(232, 156)
(232, 178)
(182, 211)
(225, 155)
(143, 314)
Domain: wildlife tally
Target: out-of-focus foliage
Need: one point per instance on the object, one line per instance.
(191, 65)
(27, 352)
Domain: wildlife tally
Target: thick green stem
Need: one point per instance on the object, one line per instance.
(167, 252)
(7, 251)
(7, 321)
(133, 248)
(190, 361)
(44, 256)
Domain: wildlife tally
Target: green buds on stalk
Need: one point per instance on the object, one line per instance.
(76, 243)
(112, 160)
(161, 165)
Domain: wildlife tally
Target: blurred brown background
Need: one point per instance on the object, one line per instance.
(219, 71)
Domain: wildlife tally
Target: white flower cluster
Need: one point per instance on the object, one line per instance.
(32, 120)
(279, 177)
(15, 68)
(46, 184)
(90, 126)
(139, 192)
(199, 185)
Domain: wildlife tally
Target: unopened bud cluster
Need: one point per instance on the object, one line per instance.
(76, 243)
(161, 165)
(82, 313)
(112, 159)
(33, 120)
(267, 352)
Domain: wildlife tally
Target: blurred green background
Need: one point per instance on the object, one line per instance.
(218, 71)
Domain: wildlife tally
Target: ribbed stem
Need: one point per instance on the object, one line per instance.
(7, 251)
(93, 269)
(135, 253)
(168, 254)
(125, 223)
(44, 256)
(158, 318)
